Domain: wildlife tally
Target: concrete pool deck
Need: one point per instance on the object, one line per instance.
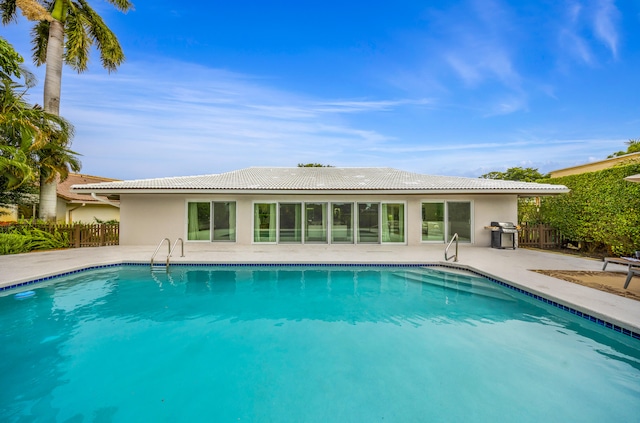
(509, 266)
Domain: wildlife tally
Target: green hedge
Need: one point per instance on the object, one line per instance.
(601, 211)
(29, 239)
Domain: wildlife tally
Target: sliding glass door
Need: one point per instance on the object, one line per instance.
(433, 222)
(459, 219)
(290, 227)
(264, 222)
(440, 220)
(211, 221)
(199, 221)
(392, 222)
(224, 221)
(341, 223)
(368, 223)
(315, 222)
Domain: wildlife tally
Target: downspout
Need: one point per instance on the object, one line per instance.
(104, 200)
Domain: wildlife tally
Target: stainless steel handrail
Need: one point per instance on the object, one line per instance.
(446, 250)
(158, 248)
(174, 247)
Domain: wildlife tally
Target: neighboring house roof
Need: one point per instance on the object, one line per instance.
(320, 179)
(595, 166)
(64, 187)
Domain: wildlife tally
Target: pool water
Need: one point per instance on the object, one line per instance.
(304, 344)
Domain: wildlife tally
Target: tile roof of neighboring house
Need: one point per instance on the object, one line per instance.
(595, 166)
(260, 179)
(64, 188)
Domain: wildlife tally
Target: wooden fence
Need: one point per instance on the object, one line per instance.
(539, 236)
(80, 235)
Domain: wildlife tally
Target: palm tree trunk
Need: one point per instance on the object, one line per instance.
(52, 87)
(48, 198)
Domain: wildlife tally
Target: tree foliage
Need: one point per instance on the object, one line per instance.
(65, 35)
(32, 141)
(633, 146)
(10, 61)
(312, 165)
(602, 210)
(83, 28)
(527, 174)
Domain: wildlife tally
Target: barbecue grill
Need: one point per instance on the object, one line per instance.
(498, 229)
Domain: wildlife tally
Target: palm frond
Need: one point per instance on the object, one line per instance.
(8, 11)
(122, 5)
(78, 42)
(111, 54)
(39, 42)
(14, 167)
(55, 160)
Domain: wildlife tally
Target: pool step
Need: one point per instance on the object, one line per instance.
(156, 267)
(457, 280)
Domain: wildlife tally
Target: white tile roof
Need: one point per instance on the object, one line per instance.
(320, 179)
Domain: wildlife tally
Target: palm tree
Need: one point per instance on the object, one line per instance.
(82, 27)
(32, 143)
(31, 140)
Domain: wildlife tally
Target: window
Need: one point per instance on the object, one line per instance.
(341, 223)
(440, 220)
(264, 222)
(368, 227)
(433, 222)
(459, 220)
(224, 221)
(198, 221)
(315, 222)
(290, 227)
(392, 222)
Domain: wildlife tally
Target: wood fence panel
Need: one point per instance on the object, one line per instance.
(539, 236)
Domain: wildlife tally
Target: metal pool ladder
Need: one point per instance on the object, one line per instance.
(446, 250)
(169, 253)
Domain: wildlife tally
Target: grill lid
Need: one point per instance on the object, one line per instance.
(506, 227)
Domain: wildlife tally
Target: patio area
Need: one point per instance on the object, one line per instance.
(510, 266)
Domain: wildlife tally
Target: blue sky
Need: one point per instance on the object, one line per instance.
(456, 87)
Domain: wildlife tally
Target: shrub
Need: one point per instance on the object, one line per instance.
(12, 243)
(27, 239)
(602, 210)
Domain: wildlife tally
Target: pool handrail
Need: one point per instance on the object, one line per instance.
(446, 250)
(158, 248)
(174, 247)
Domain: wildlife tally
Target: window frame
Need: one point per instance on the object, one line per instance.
(447, 224)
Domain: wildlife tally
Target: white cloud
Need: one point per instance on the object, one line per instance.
(605, 16)
(597, 18)
(185, 119)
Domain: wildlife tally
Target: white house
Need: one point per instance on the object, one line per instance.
(311, 205)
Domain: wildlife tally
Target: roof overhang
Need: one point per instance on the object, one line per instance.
(320, 181)
(520, 192)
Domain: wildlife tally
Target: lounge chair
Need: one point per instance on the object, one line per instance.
(633, 266)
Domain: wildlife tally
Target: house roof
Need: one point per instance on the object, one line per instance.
(319, 179)
(595, 166)
(64, 187)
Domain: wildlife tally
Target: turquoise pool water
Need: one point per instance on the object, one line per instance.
(304, 344)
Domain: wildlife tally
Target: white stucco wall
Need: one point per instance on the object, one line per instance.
(145, 219)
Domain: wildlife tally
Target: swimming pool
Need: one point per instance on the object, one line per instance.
(304, 344)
